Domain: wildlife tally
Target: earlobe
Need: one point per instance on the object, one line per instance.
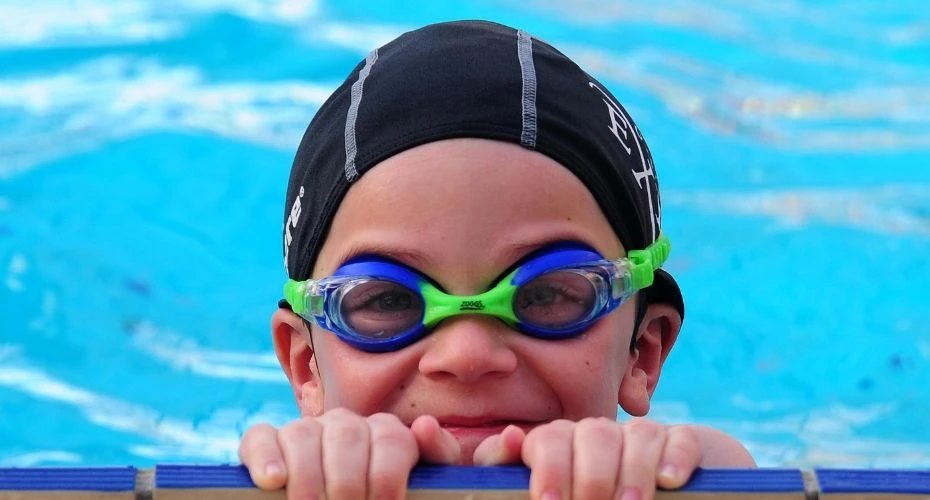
(295, 355)
(654, 340)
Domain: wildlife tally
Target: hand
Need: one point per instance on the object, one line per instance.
(598, 457)
(344, 455)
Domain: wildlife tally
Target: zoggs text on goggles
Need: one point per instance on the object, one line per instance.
(378, 305)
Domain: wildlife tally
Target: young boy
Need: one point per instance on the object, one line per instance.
(472, 236)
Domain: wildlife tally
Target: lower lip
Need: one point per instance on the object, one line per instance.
(461, 431)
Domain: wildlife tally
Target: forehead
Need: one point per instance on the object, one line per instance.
(466, 207)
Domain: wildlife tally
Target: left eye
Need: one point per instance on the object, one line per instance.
(555, 299)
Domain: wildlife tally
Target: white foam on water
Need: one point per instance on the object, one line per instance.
(359, 37)
(184, 354)
(117, 415)
(69, 23)
(17, 266)
(693, 16)
(893, 113)
(40, 457)
(923, 347)
(739, 21)
(826, 436)
(890, 209)
(79, 23)
(219, 423)
(112, 98)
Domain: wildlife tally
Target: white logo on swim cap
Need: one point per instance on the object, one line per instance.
(292, 219)
(621, 126)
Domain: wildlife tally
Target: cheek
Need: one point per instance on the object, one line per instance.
(362, 382)
(592, 368)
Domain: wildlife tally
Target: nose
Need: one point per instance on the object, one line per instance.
(468, 348)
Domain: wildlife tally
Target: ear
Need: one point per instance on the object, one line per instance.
(654, 340)
(294, 350)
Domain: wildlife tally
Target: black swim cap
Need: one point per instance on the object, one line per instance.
(482, 80)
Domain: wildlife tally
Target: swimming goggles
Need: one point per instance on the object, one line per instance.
(378, 305)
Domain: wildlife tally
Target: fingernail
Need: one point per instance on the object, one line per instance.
(274, 469)
(669, 471)
(631, 494)
(551, 495)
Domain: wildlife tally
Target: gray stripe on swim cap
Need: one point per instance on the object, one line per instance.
(352, 115)
(525, 54)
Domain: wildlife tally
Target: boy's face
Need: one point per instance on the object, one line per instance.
(461, 212)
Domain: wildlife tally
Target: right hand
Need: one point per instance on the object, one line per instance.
(341, 455)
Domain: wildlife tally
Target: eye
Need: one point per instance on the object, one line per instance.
(555, 300)
(381, 309)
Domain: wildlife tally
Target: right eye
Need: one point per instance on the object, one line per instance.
(381, 309)
(555, 300)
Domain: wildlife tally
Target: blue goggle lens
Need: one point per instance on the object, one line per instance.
(380, 308)
(555, 300)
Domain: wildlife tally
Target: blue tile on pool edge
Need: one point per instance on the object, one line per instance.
(111, 479)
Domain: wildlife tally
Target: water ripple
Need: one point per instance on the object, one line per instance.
(184, 354)
(76, 110)
(785, 115)
(72, 23)
(210, 440)
(891, 209)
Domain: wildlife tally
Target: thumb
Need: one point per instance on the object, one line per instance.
(436, 444)
(503, 448)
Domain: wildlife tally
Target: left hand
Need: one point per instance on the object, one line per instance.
(598, 457)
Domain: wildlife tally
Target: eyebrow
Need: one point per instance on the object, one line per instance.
(411, 257)
(408, 256)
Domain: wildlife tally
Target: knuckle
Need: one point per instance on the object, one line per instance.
(347, 433)
(258, 430)
(387, 419)
(543, 434)
(600, 429)
(257, 436)
(552, 430)
(684, 439)
(645, 428)
(299, 430)
(393, 437)
(340, 414)
(685, 433)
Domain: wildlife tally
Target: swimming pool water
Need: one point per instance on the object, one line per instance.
(144, 151)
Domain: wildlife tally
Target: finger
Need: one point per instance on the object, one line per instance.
(547, 451)
(300, 443)
(596, 450)
(393, 455)
(503, 448)
(346, 444)
(436, 444)
(643, 442)
(260, 453)
(681, 456)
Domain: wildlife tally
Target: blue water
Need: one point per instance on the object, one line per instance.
(145, 147)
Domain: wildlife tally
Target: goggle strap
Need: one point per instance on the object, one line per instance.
(647, 261)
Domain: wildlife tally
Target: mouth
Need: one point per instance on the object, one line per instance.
(478, 425)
